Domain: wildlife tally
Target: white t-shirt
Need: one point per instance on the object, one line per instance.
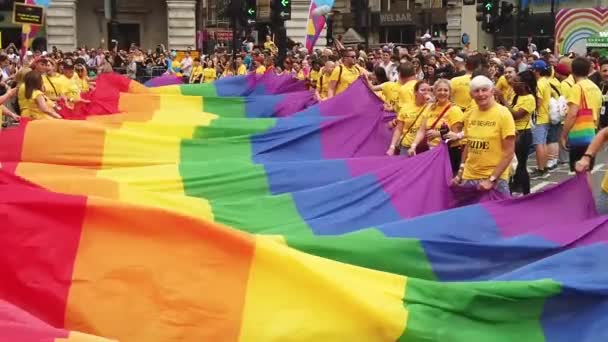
(391, 71)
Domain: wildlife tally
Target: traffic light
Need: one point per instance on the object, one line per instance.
(487, 13)
(506, 11)
(281, 9)
(251, 11)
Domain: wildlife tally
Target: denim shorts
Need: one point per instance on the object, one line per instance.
(501, 186)
(601, 203)
(555, 131)
(539, 134)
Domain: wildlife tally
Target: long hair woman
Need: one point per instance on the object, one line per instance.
(410, 119)
(37, 105)
(522, 106)
(441, 118)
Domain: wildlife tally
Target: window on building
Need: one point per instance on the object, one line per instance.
(7, 5)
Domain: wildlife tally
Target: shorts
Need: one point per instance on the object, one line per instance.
(555, 132)
(539, 134)
(601, 203)
(501, 186)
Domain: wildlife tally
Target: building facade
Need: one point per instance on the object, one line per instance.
(146, 23)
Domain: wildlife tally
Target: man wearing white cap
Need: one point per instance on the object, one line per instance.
(428, 44)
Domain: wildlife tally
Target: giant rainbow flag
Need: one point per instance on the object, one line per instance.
(169, 220)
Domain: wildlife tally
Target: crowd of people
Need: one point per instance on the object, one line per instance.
(492, 107)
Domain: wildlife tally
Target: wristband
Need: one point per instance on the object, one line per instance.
(588, 155)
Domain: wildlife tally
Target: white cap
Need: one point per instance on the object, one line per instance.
(29, 53)
(44, 53)
(426, 36)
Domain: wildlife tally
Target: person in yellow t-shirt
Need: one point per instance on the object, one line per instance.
(585, 163)
(37, 105)
(314, 74)
(503, 84)
(540, 131)
(54, 87)
(241, 69)
(406, 93)
(209, 73)
(70, 83)
(592, 95)
(409, 120)
(562, 73)
(323, 82)
(83, 78)
(269, 45)
(196, 75)
(490, 133)
(522, 106)
(461, 92)
(441, 118)
(260, 69)
(343, 75)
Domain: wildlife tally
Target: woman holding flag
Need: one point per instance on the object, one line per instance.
(440, 118)
(410, 119)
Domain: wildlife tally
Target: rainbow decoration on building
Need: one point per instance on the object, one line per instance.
(316, 21)
(574, 25)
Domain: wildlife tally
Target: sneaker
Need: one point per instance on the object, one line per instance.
(540, 174)
(552, 164)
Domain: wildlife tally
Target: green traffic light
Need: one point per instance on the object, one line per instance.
(251, 11)
(489, 6)
(284, 3)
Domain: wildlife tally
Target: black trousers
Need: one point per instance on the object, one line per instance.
(576, 153)
(455, 158)
(523, 141)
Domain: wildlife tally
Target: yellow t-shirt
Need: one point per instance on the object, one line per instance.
(451, 117)
(556, 90)
(242, 70)
(269, 45)
(349, 75)
(197, 74)
(503, 85)
(408, 116)
(406, 95)
(566, 86)
(209, 75)
(390, 93)
(300, 75)
(527, 103)
(83, 84)
(71, 88)
(593, 96)
(54, 86)
(32, 111)
(23, 103)
(323, 85)
(485, 132)
(260, 70)
(314, 77)
(461, 91)
(544, 96)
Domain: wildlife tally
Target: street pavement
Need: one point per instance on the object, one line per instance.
(561, 173)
